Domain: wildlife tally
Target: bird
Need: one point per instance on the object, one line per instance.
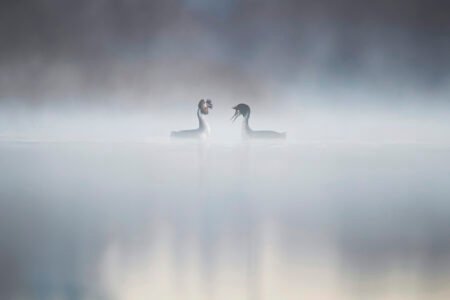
(243, 110)
(203, 130)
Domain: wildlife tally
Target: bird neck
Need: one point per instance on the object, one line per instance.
(202, 124)
(245, 125)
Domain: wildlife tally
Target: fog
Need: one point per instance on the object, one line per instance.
(156, 53)
(98, 202)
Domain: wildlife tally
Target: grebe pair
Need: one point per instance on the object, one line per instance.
(240, 110)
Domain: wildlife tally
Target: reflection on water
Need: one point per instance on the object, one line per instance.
(176, 220)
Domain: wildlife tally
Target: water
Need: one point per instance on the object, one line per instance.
(187, 220)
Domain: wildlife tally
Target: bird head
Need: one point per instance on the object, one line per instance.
(241, 110)
(204, 106)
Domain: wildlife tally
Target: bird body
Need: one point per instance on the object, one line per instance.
(248, 133)
(203, 131)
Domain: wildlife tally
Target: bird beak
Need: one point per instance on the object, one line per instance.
(236, 114)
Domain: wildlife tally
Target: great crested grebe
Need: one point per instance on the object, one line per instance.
(203, 129)
(248, 133)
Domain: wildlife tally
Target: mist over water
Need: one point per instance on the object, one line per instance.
(103, 205)
(97, 202)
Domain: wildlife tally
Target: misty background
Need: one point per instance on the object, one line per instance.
(97, 203)
(318, 69)
(159, 53)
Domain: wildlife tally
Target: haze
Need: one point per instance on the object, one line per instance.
(97, 202)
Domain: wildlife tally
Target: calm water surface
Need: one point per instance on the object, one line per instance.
(170, 220)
